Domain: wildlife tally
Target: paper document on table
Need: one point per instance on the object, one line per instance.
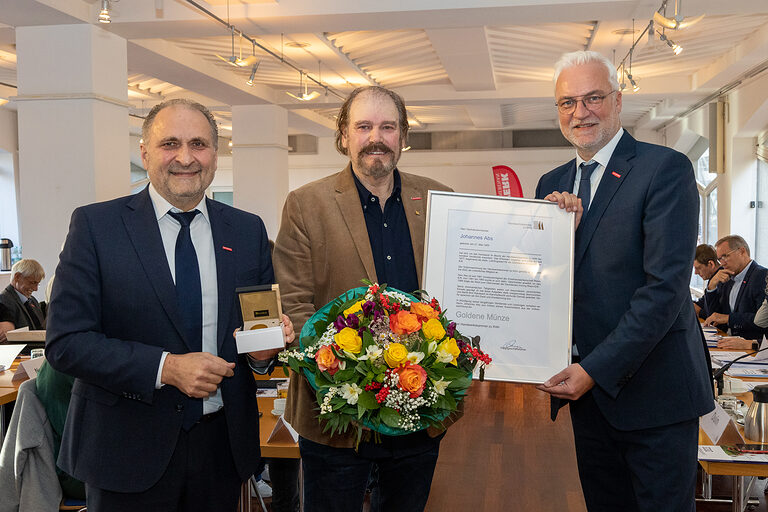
(282, 427)
(8, 354)
(726, 356)
(713, 453)
(753, 371)
(714, 423)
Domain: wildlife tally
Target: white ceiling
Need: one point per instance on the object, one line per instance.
(459, 64)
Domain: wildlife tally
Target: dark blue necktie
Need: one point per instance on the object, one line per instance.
(585, 188)
(190, 300)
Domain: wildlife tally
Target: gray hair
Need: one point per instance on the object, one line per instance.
(192, 105)
(28, 268)
(342, 120)
(734, 242)
(582, 57)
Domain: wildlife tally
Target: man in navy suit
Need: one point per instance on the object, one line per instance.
(163, 415)
(705, 265)
(639, 381)
(736, 291)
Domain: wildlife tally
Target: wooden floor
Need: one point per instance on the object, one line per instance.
(505, 454)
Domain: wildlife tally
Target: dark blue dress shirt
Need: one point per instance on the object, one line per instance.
(390, 238)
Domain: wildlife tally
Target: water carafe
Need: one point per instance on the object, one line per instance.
(756, 420)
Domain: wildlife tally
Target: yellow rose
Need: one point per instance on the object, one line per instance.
(449, 348)
(433, 329)
(348, 340)
(396, 354)
(354, 308)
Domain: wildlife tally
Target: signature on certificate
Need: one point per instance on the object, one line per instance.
(512, 345)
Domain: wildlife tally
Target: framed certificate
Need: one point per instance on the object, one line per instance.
(503, 269)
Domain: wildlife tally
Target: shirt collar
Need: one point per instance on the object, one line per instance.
(23, 298)
(161, 205)
(738, 278)
(365, 194)
(604, 155)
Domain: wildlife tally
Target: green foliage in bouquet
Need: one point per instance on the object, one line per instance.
(382, 359)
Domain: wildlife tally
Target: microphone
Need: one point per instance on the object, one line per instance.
(717, 376)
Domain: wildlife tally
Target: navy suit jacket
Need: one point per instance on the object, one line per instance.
(114, 311)
(633, 319)
(748, 301)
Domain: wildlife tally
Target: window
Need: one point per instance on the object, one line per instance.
(761, 215)
(706, 182)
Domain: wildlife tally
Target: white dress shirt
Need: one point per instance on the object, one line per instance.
(602, 157)
(202, 239)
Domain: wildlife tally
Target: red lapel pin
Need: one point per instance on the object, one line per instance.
(616, 174)
(226, 248)
(415, 198)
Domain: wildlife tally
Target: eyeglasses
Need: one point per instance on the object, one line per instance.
(726, 255)
(591, 102)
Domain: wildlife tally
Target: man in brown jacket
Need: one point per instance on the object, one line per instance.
(367, 221)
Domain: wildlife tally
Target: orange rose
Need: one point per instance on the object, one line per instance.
(423, 311)
(412, 379)
(404, 322)
(327, 360)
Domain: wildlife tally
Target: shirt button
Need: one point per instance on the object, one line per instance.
(385, 224)
(389, 257)
(373, 199)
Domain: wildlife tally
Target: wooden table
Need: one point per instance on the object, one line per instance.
(742, 474)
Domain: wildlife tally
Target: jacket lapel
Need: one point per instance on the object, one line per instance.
(743, 286)
(144, 233)
(568, 178)
(225, 267)
(15, 296)
(614, 175)
(414, 204)
(349, 204)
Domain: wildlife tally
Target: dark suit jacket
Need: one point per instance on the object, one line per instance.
(12, 310)
(322, 251)
(748, 301)
(114, 312)
(633, 319)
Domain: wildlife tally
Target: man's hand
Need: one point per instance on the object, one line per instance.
(196, 374)
(716, 319)
(722, 276)
(568, 202)
(570, 383)
(735, 342)
(288, 335)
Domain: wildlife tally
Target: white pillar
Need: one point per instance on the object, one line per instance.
(73, 129)
(260, 161)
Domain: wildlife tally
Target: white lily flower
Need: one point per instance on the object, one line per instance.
(441, 385)
(415, 357)
(351, 392)
(431, 347)
(371, 352)
(444, 356)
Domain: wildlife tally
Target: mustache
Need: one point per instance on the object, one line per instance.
(180, 168)
(377, 146)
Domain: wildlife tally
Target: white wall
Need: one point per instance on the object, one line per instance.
(9, 178)
(464, 171)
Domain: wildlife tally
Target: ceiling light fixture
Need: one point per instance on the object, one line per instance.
(104, 16)
(676, 48)
(253, 73)
(303, 96)
(678, 21)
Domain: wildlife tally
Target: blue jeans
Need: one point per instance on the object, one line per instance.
(335, 479)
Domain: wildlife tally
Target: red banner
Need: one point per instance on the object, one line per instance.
(506, 181)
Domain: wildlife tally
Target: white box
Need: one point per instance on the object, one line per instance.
(259, 339)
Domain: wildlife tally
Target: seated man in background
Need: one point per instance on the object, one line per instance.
(18, 308)
(735, 292)
(705, 265)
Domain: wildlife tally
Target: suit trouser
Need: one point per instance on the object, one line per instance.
(200, 476)
(335, 479)
(648, 470)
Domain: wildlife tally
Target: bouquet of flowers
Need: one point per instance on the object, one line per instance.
(384, 360)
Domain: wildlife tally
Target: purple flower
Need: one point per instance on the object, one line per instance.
(377, 314)
(368, 307)
(451, 329)
(360, 331)
(339, 323)
(353, 321)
